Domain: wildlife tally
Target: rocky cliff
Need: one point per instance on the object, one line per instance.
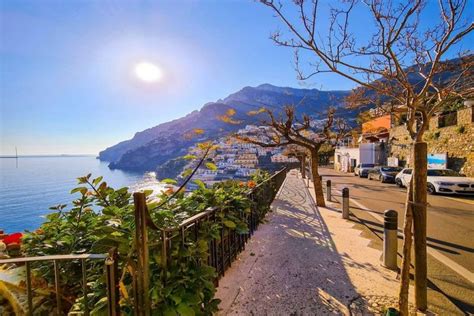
(151, 148)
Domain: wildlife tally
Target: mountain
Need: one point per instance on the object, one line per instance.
(153, 147)
(156, 148)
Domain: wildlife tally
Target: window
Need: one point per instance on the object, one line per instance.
(391, 169)
(447, 119)
(442, 173)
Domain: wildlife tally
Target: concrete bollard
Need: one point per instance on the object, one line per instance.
(328, 190)
(390, 240)
(345, 203)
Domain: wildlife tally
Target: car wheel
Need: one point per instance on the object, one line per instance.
(431, 189)
(399, 183)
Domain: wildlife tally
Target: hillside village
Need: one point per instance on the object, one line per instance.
(239, 160)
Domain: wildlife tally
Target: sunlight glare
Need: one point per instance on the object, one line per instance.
(148, 72)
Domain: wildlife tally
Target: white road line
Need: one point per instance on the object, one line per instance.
(465, 273)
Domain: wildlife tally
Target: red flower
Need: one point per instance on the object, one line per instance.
(13, 238)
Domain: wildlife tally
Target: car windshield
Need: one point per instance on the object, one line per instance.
(367, 165)
(443, 173)
(391, 169)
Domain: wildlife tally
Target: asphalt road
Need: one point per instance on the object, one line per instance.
(450, 230)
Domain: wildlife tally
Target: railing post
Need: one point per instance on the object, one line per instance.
(84, 287)
(57, 287)
(390, 240)
(112, 279)
(141, 240)
(345, 203)
(29, 291)
(328, 190)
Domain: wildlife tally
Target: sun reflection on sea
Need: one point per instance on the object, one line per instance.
(149, 182)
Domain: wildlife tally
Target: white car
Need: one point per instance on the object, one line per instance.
(440, 181)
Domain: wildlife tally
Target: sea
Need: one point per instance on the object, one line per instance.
(29, 185)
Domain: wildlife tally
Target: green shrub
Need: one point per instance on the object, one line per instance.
(461, 129)
(433, 135)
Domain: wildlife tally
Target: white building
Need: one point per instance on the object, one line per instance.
(283, 158)
(347, 158)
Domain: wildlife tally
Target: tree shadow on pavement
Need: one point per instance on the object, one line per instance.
(298, 270)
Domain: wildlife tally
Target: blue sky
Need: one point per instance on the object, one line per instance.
(66, 81)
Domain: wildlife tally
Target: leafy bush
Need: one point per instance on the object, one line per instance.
(433, 136)
(102, 217)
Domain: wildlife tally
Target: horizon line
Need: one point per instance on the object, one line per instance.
(47, 155)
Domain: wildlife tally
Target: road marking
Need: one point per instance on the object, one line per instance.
(460, 200)
(465, 273)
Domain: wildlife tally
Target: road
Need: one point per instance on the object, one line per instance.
(450, 230)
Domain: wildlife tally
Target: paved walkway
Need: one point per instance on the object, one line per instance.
(305, 261)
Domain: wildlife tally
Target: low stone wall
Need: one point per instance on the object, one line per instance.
(456, 140)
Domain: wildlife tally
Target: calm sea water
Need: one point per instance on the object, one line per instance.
(30, 185)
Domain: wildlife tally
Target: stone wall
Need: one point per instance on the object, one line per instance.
(457, 141)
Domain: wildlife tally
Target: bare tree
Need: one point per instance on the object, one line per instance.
(288, 130)
(398, 59)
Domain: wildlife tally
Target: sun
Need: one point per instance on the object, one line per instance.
(148, 72)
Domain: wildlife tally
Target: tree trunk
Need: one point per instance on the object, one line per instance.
(406, 253)
(318, 186)
(419, 223)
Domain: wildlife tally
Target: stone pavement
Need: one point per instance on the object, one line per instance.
(306, 261)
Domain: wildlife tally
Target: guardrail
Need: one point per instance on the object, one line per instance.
(222, 250)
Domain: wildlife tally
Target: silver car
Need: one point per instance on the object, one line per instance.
(362, 169)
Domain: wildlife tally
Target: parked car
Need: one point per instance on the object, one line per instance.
(440, 181)
(384, 173)
(403, 177)
(362, 170)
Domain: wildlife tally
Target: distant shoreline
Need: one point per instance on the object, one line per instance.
(47, 156)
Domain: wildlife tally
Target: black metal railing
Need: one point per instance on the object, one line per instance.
(222, 250)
